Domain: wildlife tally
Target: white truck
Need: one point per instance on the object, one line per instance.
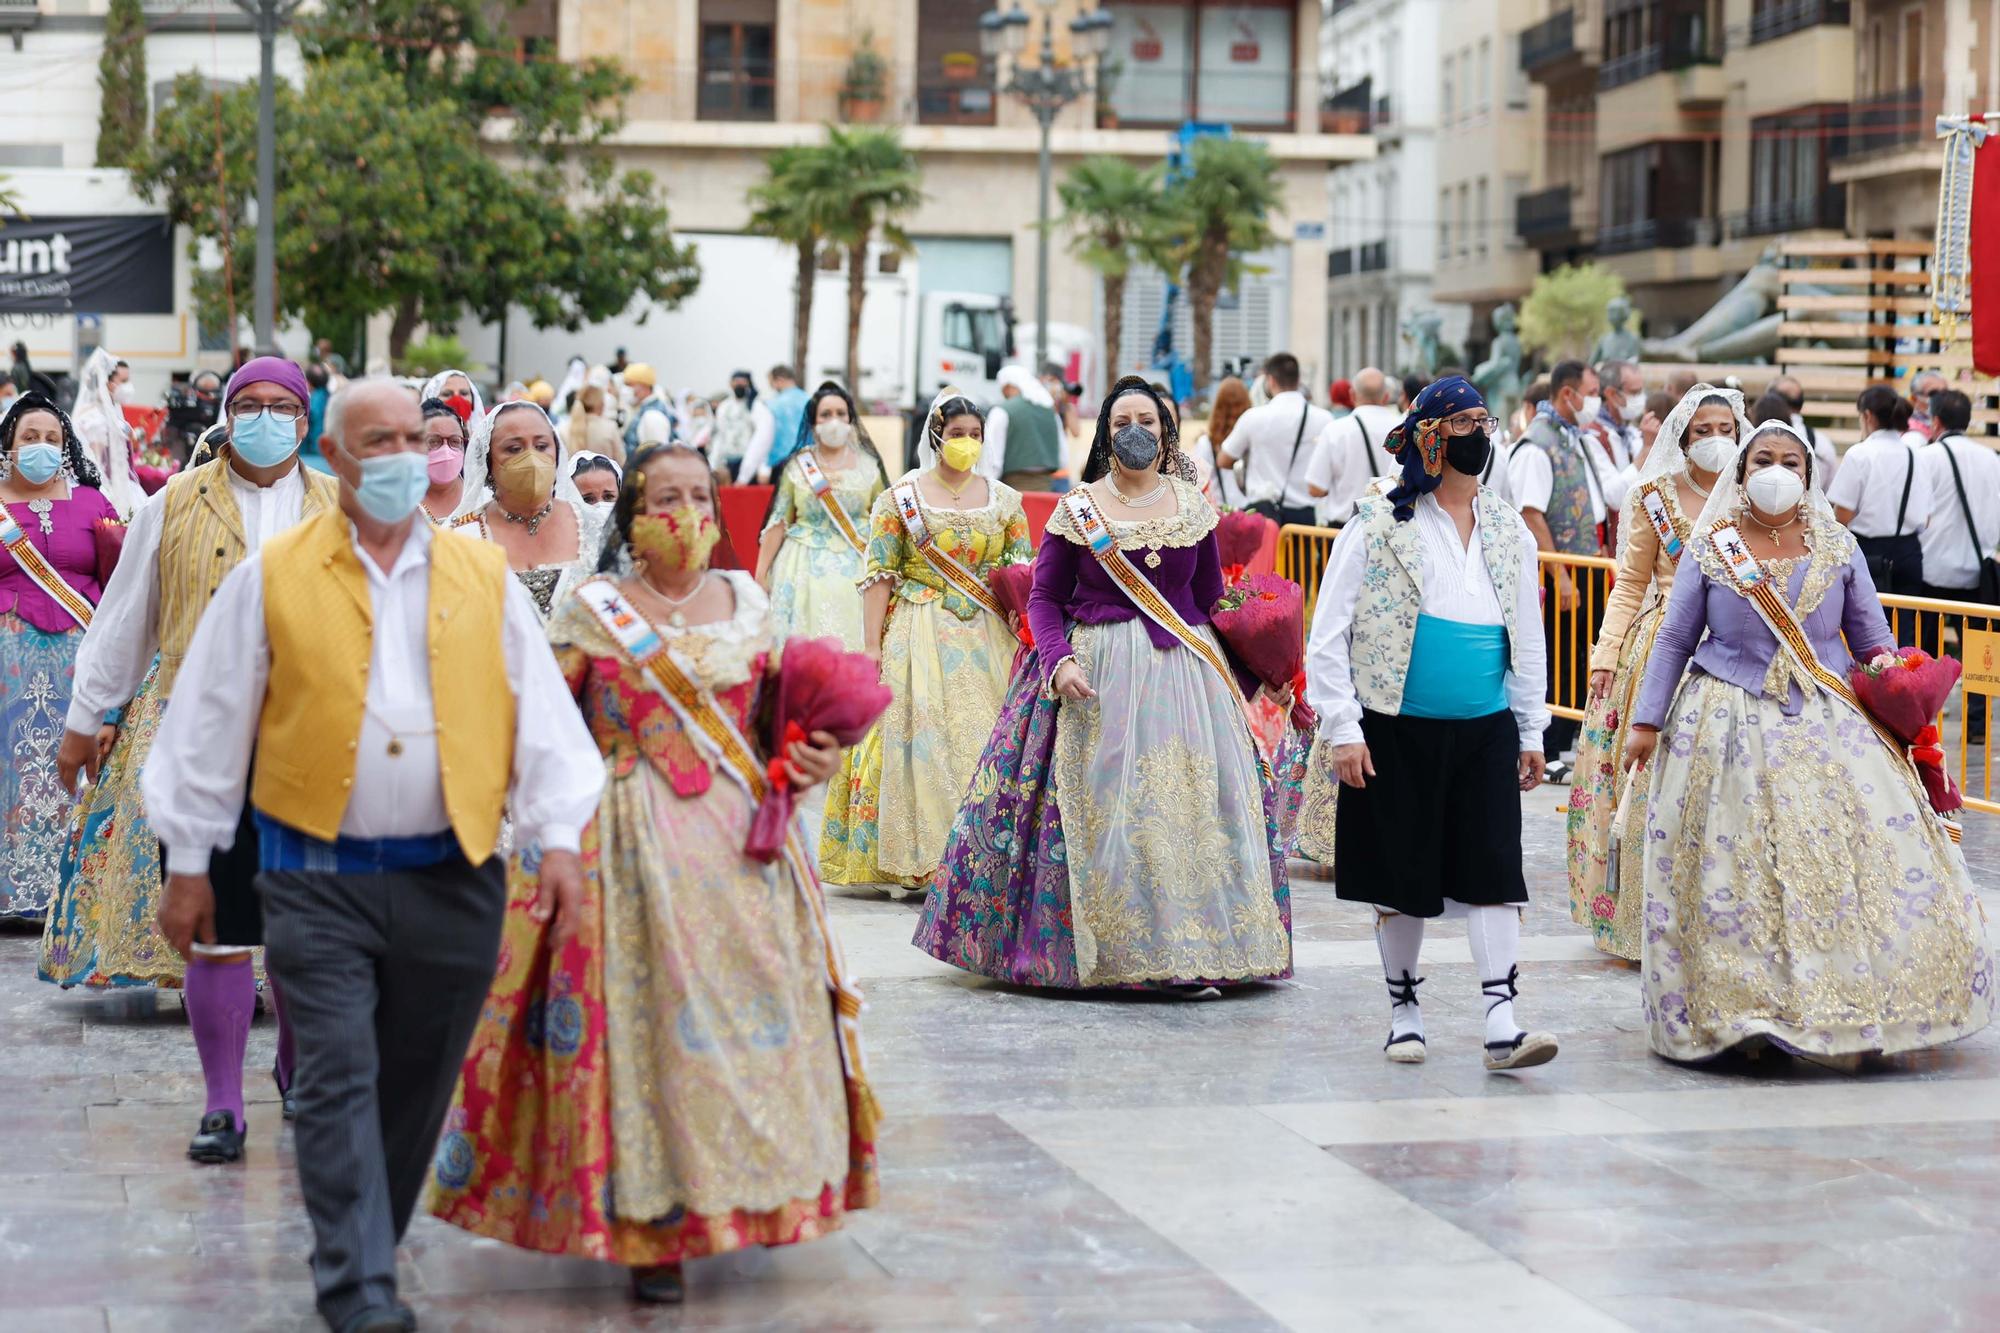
(740, 318)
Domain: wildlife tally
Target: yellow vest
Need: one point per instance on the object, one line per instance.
(201, 540)
(320, 622)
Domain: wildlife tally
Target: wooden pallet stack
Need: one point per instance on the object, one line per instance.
(1872, 326)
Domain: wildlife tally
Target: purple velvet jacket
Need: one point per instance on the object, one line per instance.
(1070, 585)
(71, 548)
(1738, 647)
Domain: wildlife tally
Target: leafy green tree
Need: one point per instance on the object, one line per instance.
(1564, 313)
(1113, 209)
(792, 205)
(121, 85)
(387, 201)
(878, 183)
(1213, 214)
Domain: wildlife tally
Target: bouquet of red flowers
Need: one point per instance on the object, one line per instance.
(1239, 535)
(1011, 585)
(1903, 690)
(107, 540)
(1263, 620)
(821, 687)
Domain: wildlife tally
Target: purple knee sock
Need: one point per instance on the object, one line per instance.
(285, 1049)
(221, 997)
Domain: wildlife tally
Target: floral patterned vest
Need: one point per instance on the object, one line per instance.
(1392, 592)
(1569, 513)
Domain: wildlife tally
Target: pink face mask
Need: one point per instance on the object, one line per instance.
(446, 462)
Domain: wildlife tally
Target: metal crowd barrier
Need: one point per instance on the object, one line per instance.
(1579, 584)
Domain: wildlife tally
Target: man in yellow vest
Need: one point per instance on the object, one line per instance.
(181, 544)
(396, 687)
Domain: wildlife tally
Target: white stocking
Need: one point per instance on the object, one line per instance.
(1495, 936)
(1401, 938)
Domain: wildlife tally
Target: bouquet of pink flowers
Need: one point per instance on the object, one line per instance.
(1263, 620)
(1903, 690)
(1239, 535)
(821, 687)
(1011, 585)
(107, 540)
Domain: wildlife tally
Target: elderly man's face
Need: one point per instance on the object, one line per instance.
(251, 399)
(379, 419)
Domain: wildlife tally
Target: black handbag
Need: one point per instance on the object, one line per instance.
(1882, 565)
(1988, 590)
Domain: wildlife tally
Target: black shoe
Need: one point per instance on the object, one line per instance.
(291, 1106)
(662, 1285)
(377, 1319)
(409, 1318)
(220, 1139)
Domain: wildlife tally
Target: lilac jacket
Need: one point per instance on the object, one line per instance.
(1070, 585)
(1738, 646)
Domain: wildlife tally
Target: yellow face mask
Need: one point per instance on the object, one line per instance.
(960, 452)
(525, 479)
(680, 539)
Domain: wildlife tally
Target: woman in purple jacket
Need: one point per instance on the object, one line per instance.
(1119, 830)
(1799, 889)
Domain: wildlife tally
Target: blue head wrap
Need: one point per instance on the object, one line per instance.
(1418, 443)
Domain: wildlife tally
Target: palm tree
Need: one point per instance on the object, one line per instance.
(790, 206)
(1113, 207)
(1216, 212)
(875, 182)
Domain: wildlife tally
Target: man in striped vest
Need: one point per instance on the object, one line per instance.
(182, 542)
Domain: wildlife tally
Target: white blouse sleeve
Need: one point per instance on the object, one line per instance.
(118, 647)
(1528, 682)
(1329, 671)
(558, 772)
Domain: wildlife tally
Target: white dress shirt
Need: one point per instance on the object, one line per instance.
(1531, 477)
(124, 634)
(1951, 557)
(195, 779)
(1457, 586)
(757, 454)
(1826, 459)
(1265, 434)
(993, 455)
(1870, 482)
(1348, 455)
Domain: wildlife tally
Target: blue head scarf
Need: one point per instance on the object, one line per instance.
(1418, 443)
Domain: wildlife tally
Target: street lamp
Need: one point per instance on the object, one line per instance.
(1047, 88)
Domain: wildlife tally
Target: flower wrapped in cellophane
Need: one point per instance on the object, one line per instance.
(1903, 690)
(1263, 620)
(1011, 585)
(821, 687)
(1239, 536)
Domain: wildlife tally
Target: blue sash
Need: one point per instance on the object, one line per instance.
(1457, 670)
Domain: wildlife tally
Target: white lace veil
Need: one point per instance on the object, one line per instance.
(572, 382)
(1727, 502)
(434, 388)
(478, 474)
(101, 426)
(1667, 458)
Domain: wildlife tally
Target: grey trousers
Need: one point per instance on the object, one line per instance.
(384, 975)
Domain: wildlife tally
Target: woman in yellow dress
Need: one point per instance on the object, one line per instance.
(1697, 440)
(813, 549)
(946, 650)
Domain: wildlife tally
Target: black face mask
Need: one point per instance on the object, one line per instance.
(1468, 453)
(1136, 446)
(740, 390)
(1798, 403)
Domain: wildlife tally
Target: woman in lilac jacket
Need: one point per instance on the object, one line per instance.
(1799, 890)
(1118, 830)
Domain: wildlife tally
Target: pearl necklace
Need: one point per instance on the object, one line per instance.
(675, 617)
(1142, 501)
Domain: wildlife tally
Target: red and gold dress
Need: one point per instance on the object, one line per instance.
(671, 1086)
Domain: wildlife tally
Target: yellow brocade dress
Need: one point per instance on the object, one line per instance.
(948, 660)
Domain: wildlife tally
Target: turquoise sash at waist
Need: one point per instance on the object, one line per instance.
(1457, 670)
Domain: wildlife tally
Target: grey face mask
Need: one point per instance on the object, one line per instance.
(1136, 446)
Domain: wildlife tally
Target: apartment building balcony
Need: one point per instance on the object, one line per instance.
(182, 15)
(1655, 234)
(1551, 50)
(1352, 110)
(1372, 257)
(1772, 19)
(1340, 263)
(1546, 219)
(1883, 123)
(1823, 211)
(1690, 51)
(18, 16)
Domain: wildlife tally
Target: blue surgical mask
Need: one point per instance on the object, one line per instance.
(263, 440)
(392, 485)
(38, 462)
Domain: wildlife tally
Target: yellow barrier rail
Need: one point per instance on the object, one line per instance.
(1577, 585)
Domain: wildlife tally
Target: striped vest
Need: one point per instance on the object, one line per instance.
(201, 540)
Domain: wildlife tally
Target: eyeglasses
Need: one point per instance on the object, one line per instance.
(1467, 425)
(247, 412)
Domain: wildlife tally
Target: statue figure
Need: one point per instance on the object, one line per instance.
(1619, 343)
(1741, 327)
(1421, 330)
(1499, 375)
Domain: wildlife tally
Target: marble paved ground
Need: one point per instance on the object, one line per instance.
(1128, 1163)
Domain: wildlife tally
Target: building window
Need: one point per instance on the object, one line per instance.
(1485, 219)
(1444, 225)
(952, 86)
(1450, 87)
(1170, 63)
(1485, 75)
(1788, 177)
(1517, 78)
(738, 60)
(1512, 187)
(1650, 196)
(1464, 221)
